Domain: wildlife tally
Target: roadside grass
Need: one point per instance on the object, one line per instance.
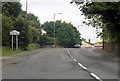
(6, 51)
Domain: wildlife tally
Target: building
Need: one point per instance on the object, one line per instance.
(86, 44)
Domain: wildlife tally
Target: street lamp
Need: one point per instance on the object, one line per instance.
(54, 27)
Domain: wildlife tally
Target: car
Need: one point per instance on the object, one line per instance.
(77, 46)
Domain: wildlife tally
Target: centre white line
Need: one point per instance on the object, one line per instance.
(75, 60)
(83, 67)
(95, 76)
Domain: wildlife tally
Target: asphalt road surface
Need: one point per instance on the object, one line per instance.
(63, 63)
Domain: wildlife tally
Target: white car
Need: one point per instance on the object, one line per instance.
(77, 46)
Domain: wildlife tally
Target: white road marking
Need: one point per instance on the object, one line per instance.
(72, 57)
(68, 49)
(83, 67)
(95, 76)
(75, 60)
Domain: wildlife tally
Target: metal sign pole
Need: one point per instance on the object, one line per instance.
(14, 32)
(16, 42)
(12, 42)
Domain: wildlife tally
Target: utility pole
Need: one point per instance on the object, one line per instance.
(54, 30)
(26, 10)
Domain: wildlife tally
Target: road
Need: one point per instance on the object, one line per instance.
(58, 64)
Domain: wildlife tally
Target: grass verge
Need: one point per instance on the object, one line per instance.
(8, 51)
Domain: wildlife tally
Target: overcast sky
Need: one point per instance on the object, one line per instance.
(45, 9)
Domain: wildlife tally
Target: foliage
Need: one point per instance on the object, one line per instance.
(22, 27)
(34, 35)
(66, 34)
(33, 46)
(43, 40)
(8, 51)
(103, 15)
(48, 27)
(30, 30)
(11, 8)
(7, 27)
(34, 28)
(27, 24)
(50, 40)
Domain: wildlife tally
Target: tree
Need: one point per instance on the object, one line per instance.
(103, 15)
(43, 40)
(7, 27)
(14, 19)
(34, 28)
(49, 27)
(11, 8)
(34, 35)
(22, 26)
(10, 11)
(66, 34)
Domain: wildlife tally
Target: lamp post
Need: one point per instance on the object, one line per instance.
(54, 27)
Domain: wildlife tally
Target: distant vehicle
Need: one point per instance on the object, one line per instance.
(77, 46)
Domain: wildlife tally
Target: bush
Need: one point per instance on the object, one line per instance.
(33, 46)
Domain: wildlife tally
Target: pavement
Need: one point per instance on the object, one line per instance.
(59, 64)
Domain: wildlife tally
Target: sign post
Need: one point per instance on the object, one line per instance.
(15, 32)
(12, 42)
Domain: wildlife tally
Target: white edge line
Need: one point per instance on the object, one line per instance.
(92, 74)
(82, 66)
(71, 55)
(95, 76)
(75, 60)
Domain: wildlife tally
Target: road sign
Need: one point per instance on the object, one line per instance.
(15, 32)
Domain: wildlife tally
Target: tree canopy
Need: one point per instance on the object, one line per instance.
(66, 34)
(105, 15)
(14, 18)
(11, 8)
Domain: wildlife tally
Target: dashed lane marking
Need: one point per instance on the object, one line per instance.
(83, 67)
(75, 60)
(95, 76)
